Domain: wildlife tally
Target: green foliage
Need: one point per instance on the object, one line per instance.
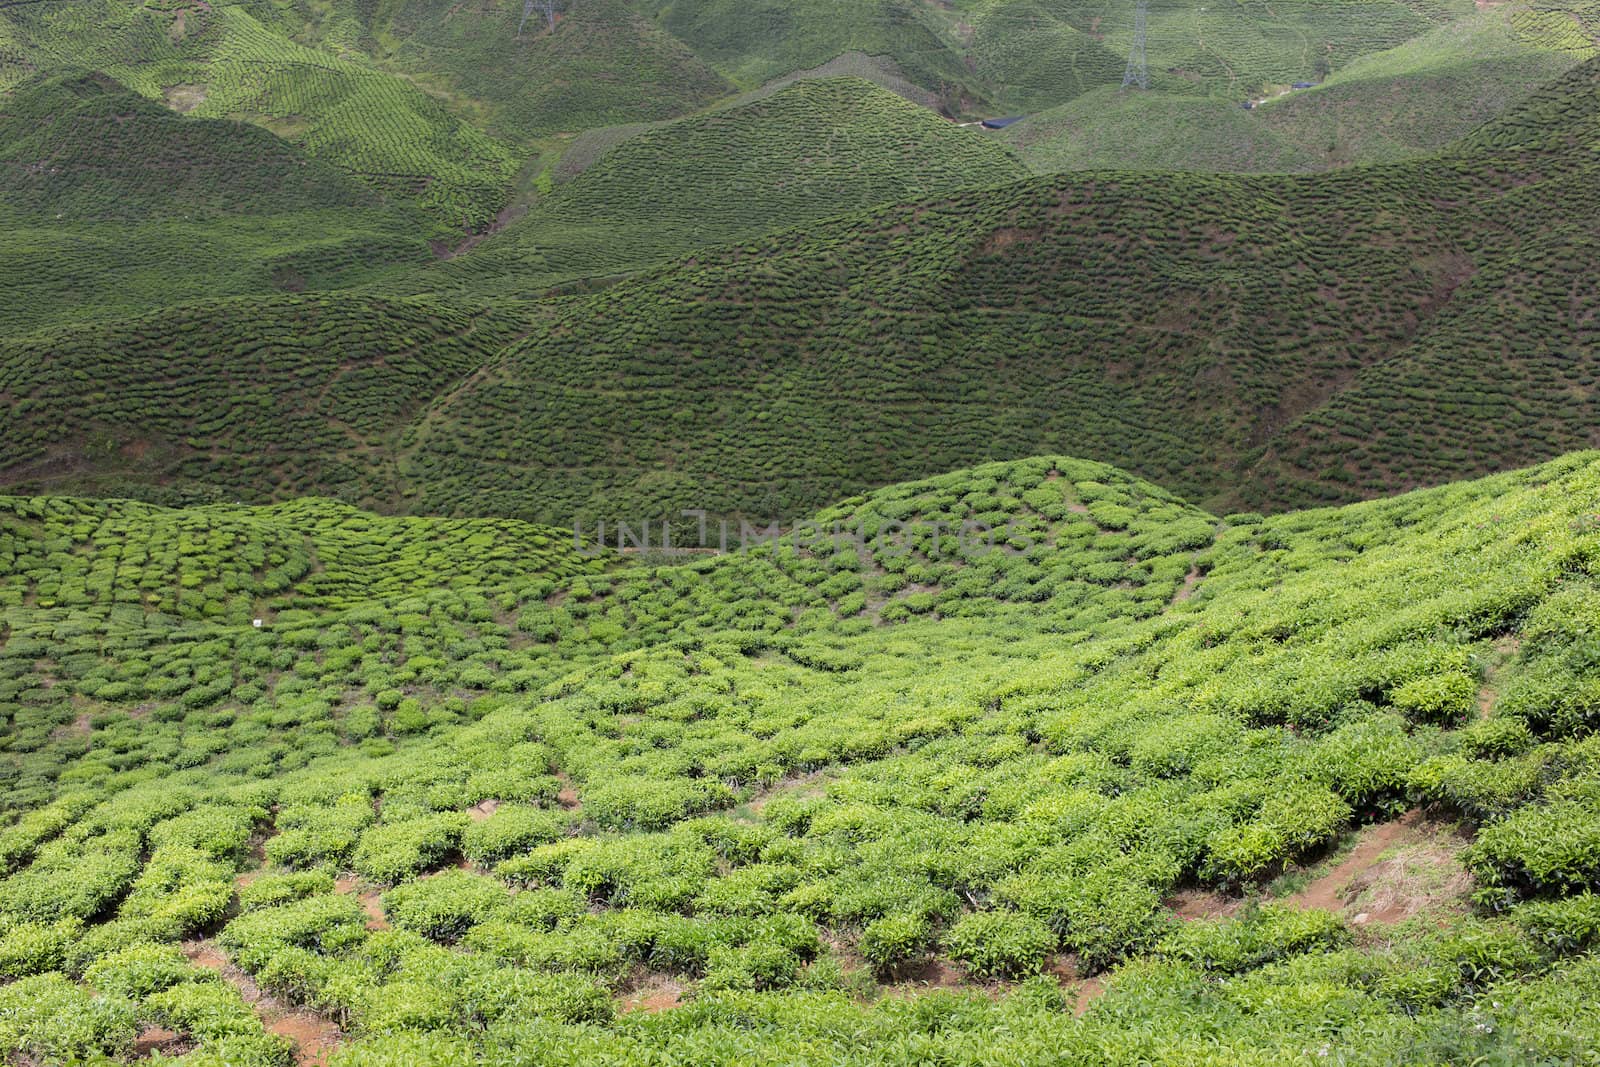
(394, 851)
(1287, 824)
(1027, 291)
(814, 149)
(139, 970)
(1259, 936)
(51, 1019)
(744, 782)
(895, 940)
(999, 944)
(1387, 105)
(446, 906)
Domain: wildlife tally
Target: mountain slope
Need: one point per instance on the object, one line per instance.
(115, 205)
(474, 797)
(88, 149)
(817, 148)
(254, 399)
(1391, 105)
(602, 64)
(1177, 323)
(1199, 329)
(224, 62)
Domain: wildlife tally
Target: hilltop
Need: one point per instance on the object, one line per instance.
(815, 149)
(115, 204)
(469, 793)
(225, 62)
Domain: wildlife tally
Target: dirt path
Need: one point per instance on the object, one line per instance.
(313, 1037)
(1325, 893)
(1396, 870)
(1191, 905)
(1081, 991)
(568, 796)
(1505, 650)
(505, 217)
(1186, 590)
(650, 994)
(370, 901)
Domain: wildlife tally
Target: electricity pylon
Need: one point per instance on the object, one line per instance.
(1138, 70)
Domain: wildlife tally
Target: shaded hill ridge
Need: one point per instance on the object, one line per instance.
(1402, 103)
(87, 148)
(1180, 324)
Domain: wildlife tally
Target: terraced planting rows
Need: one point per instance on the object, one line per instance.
(295, 393)
(87, 149)
(1232, 336)
(813, 150)
(115, 205)
(1033, 54)
(1386, 106)
(71, 276)
(1181, 324)
(374, 126)
(603, 64)
(453, 831)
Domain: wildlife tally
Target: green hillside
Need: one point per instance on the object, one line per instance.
(603, 533)
(815, 149)
(1178, 324)
(114, 205)
(603, 64)
(1262, 342)
(87, 149)
(1397, 104)
(1034, 54)
(235, 399)
(754, 41)
(1078, 797)
(225, 62)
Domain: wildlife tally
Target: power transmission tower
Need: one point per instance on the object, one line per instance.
(1138, 70)
(530, 6)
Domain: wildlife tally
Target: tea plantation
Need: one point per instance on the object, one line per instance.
(813, 150)
(1258, 342)
(1214, 332)
(1386, 106)
(622, 532)
(929, 789)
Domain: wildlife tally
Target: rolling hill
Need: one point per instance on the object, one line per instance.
(1127, 772)
(236, 398)
(640, 535)
(114, 205)
(1254, 341)
(811, 150)
(602, 64)
(87, 149)
(1180, 324)
(1401, 103)
(225, 62)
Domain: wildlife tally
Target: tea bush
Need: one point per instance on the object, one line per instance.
(770, 817)
(999, 944)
